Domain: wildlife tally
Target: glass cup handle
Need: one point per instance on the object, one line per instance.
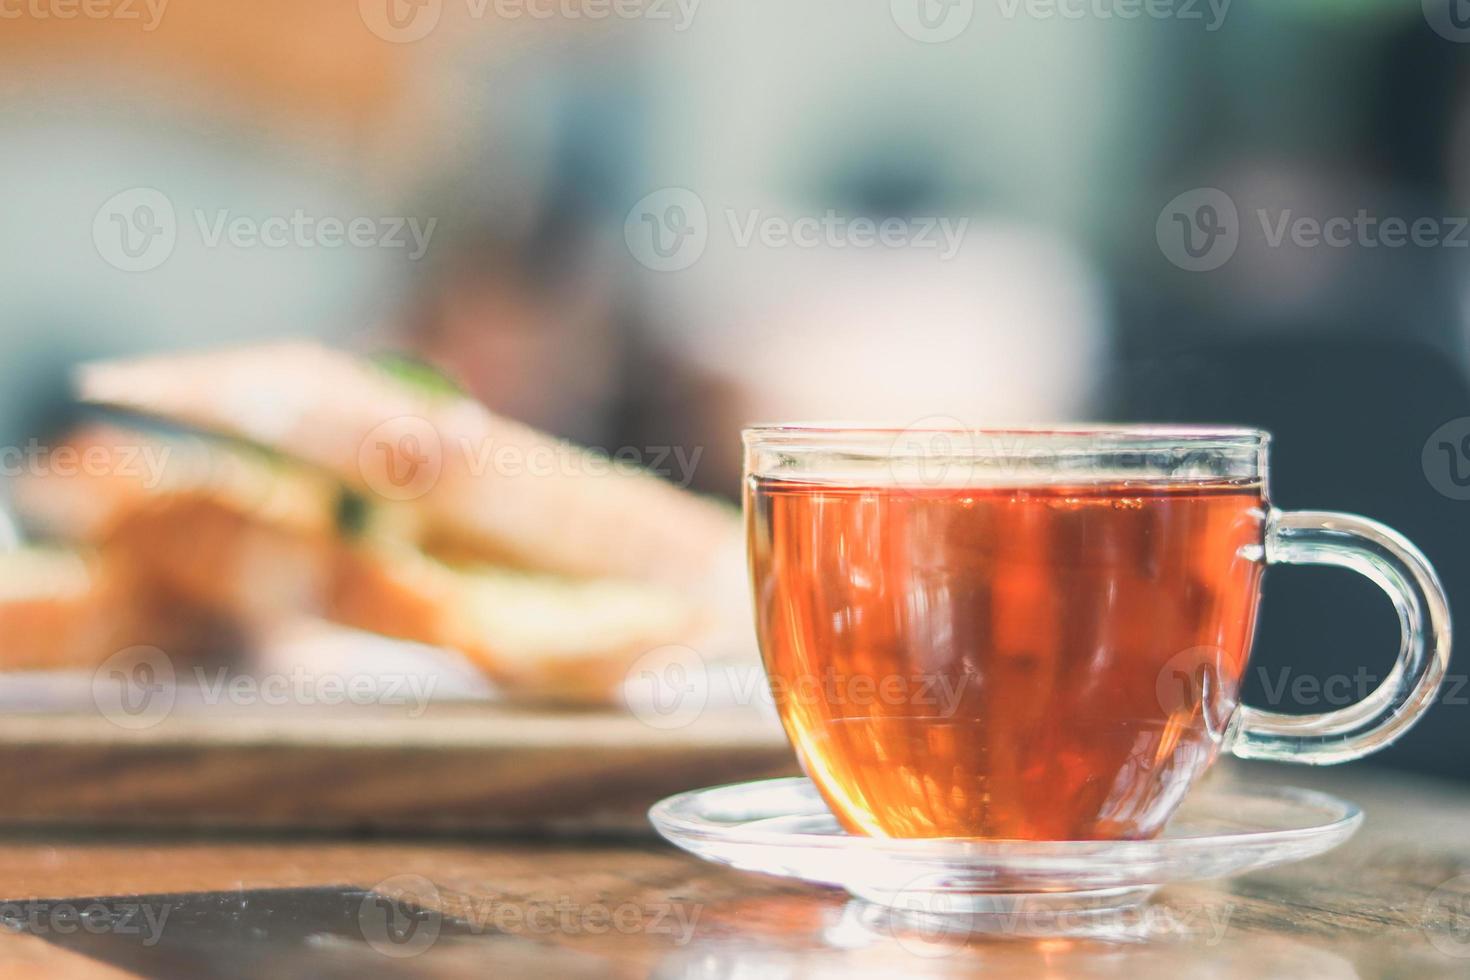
(1386, 557)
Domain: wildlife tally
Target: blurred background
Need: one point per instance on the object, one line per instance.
(643, 223)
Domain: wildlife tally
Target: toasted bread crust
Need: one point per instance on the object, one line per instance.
(509, 492)
(226, 548)
(64, 613)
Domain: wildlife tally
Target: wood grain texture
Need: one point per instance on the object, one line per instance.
(453, 769)
(1373, 908)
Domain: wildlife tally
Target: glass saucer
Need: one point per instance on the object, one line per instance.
(782, 827)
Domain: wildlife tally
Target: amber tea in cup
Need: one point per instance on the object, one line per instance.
(1041, 634)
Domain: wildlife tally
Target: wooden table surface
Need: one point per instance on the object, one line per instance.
(1393, 902)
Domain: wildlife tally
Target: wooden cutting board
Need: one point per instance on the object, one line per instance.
(456, 768)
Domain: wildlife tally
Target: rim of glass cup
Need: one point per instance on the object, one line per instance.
(842, 435)
(941, 452)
